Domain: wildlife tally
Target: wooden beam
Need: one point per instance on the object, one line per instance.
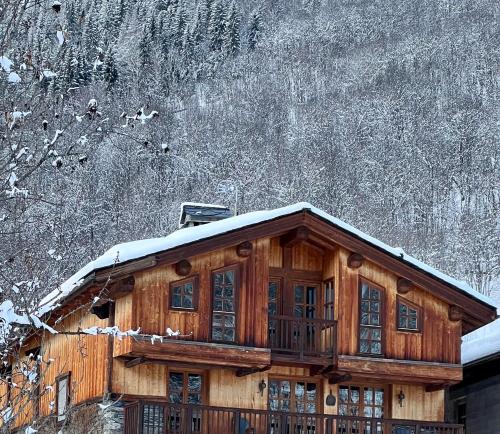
(135, 362)
(244, 249)
(242, 372)
(355, 260)
(436, 387)
(183, 267)
(122, 287)
(337, 378)
(455, 313)
(320, 370)
(295, 237)
(404, 286)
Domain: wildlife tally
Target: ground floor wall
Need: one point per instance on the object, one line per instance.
(223, 388)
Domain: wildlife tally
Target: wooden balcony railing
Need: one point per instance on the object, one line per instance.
(164, 418)
(302, 338)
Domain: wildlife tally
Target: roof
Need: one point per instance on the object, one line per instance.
(481, 344)
(133, 250)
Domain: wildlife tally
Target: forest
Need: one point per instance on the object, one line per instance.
(384, 113)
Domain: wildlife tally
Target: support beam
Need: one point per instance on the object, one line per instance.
(436, 387)
(242, 372)
(135, 362)
(101, 311)
(320, 370)
(455, 313)
(355, 260)
(295, 236)
(122, 287)
(339, 378)
(183, 267)
(404, 286)
(244, 250)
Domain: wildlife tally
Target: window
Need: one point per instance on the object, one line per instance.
(329, 299)
(296, 396)
(273, 303)
(370, 324)
(224, 287)
(62, 396)
(364, 401)
(184, 388)
(409, 316)
(305, 300)
(184, 294)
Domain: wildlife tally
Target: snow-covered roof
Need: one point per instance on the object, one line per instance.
(138, 249)
(481, 343)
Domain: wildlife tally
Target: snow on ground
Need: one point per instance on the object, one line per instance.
(6, 63)
(13, 77)
(481, 343)
(137, 249)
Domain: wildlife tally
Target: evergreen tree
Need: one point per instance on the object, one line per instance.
(110, 71)
(232, 31)
(145, 45)
(255, 29)
(216, 26)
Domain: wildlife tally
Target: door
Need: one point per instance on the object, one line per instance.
(304, 310)
(185, 388)
(301, 397)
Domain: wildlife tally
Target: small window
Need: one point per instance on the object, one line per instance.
(184, 294)
(329, 299)
(185, 387)
(62, 396)
(370, 321)
(364, 401)
(409, 316)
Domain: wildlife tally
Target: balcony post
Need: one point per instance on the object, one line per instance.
(237, 421)
(188, 419)
(302, 329)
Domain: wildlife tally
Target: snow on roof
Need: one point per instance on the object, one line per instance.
(137, 249)
(481, 343)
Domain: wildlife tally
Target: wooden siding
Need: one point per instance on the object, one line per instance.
(418, 404)
(151, 296)
(84, 356)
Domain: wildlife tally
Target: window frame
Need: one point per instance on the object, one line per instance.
(329, 304)
(293, 402)
(381, 327)
(236, 286)
(401, 300)
(61, 418)
(195, 282)
(185, 375)
(385, 406)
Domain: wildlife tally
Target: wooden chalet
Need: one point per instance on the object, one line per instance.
(289, 322)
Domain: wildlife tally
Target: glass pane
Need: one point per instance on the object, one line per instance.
(412, 323)
(175, 381)
(355, 395)
(194, 398)
(273, 404)
(300, 407)
(229, 292)
(365, 306)
(379, 397)
(364, 346)
(272, 308)
(273, 389)
(229, 277)
(229, 320)
(375, 306)
(376, 334)
(375, 294)
(299, 311)
(217, 280)
(299, 294)
(299, 390)
(364, 318)
(379, 412)
(368, 411)
(365, 333)
(402, 308)
(311, 407)
(175, 397)
(217, 319)
(376, 348)
(228, 306)
(176, 301)
(310, 312)
(343, 410)
(188, 301)
(311, 391)
(285, 389)
(194, 383)
(229, 335)
(273, 290)
(375, 319)
(364, 291)
(217, 334)
(343, 394)
(368, 396)
(311, 295)
(285, 405)
(402, 323)
(354, 410)
(188, 288)
(177, 290)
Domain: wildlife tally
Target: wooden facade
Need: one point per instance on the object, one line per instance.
(294, 306)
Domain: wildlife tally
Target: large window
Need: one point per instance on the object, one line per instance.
(370, 321)
(184, 294)
(224, 289)
(185, 388)
(305, 300)
(295, 396)
(409, 316)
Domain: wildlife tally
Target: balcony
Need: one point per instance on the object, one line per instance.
(311, 341)
(290, 340)
(163, 418)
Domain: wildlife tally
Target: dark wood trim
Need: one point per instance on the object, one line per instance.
(309, 276)
(404, 286)
(355, 260)
(436, 387)
(294, 237)
(243, 372)
(336, 378)
(135, 362)
(183, 267)
(110, 343)
(194, 279)
(244, 250)
(455, 313)
(420, 316)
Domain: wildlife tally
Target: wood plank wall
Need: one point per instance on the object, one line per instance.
(84, 356)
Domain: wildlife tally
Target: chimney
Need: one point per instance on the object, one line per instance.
(195, 214)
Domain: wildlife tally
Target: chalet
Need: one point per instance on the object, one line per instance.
(474, 402)
(286, 321)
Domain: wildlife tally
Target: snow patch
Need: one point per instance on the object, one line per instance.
(14, 78)
(6, 63)
(60, 37)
